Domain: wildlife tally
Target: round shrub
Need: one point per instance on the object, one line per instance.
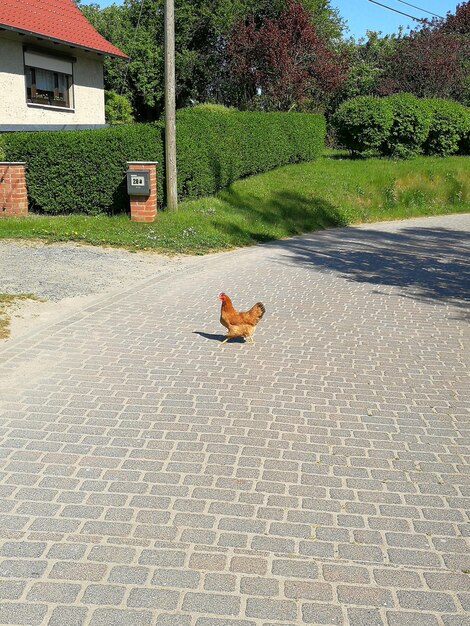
(410, 126)
(363, 123)
(449, 130)
(464, 144)
(117, 108)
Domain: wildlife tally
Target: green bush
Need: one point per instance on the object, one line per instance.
(464, 144)
(449, 129)
(410, 126)
(402, 126)
(362, 124)
(84, 171)
(117, 108)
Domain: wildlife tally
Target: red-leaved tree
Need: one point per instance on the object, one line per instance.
(434, 60)
(284, 63)
(458, 22)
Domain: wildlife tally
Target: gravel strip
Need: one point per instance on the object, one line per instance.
(63, 270)
(68, 276)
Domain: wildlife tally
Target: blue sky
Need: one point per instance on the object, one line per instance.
(362, 15)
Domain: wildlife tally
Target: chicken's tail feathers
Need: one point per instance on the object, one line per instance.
(259, 310)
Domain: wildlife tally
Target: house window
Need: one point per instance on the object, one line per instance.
(46, 87)
(48, 80)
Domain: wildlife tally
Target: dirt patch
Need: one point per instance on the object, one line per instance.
(25, 315)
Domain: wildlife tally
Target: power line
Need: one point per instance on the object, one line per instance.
(420, 9)
(416, 19)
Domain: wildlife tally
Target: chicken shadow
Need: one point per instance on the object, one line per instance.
(426, 263)
(218, 337)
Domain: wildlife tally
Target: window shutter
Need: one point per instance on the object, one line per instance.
(45, 62)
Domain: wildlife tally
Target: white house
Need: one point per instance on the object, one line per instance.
(51, 67)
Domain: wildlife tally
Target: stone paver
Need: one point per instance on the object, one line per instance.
(150, 477)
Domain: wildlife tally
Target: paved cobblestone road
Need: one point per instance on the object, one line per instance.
(321, 476)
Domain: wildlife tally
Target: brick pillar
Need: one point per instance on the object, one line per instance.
(13, 195)
(144, 208)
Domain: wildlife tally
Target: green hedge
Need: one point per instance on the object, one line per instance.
(464, 143)
(84, 171)
(402, 126)
(215, 149)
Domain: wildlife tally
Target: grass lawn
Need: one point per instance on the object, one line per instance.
(295, 199)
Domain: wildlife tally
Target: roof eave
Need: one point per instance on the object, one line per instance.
(62, 41)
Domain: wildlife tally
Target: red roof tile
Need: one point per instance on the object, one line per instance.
(59, 20)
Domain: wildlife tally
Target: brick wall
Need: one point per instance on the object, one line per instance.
(144, 208)
(13, 194)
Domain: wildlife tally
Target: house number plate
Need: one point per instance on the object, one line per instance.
(138, 183)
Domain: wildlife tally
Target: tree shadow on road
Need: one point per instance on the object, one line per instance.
(427, 263)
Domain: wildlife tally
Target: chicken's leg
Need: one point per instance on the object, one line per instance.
(224, 341)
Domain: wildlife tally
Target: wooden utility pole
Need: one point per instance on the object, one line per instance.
(170, 107)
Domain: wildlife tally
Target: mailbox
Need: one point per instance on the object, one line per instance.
(138, 182)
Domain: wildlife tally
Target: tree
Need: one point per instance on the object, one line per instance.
(284, 62)
(140, 79)
(326, 19)
(432, 61)
(118, 109)
(367, 65)
(458, 22)
(202, 30)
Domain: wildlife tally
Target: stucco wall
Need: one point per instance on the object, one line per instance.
(88, 94)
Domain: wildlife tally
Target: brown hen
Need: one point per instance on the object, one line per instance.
(239, 324)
